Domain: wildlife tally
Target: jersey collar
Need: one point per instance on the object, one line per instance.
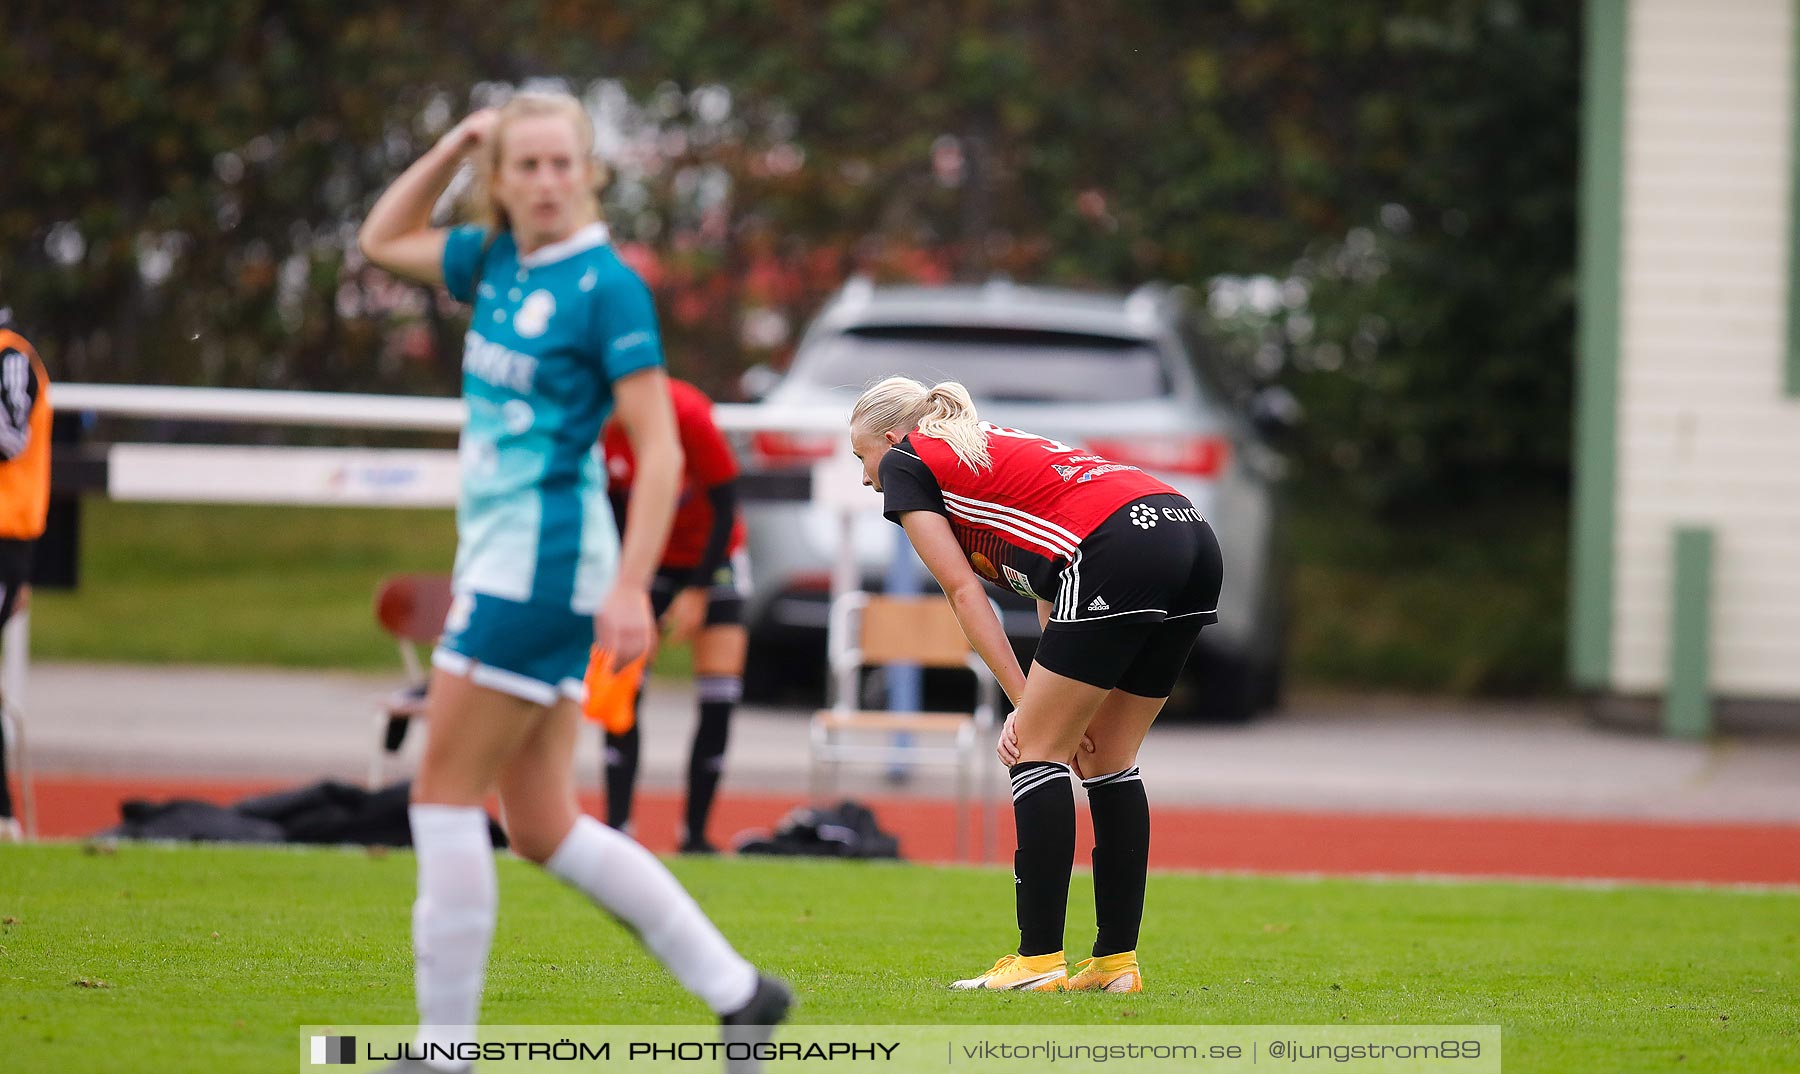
(586, 238)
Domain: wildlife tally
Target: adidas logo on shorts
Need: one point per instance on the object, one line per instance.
(1098, 604)
(1143, 516)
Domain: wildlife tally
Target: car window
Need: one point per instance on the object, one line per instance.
(999, 364)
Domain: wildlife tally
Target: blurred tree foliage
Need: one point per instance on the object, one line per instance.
(1431, 339)
(184, 182)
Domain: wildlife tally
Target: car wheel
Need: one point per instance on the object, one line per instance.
(1228, 693)
(777, 673)
(1216, 688)
(1271, 685)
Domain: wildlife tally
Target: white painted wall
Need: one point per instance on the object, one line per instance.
(1705, 434)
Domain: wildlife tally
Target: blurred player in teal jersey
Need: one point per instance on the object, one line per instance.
(562, 336)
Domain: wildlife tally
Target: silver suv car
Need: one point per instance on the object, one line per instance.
(1126, 375)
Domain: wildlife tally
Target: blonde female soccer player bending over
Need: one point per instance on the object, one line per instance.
(562, 335)
(1125, 573)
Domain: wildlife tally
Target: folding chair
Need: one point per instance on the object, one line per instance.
(871, 631)
(411, 608)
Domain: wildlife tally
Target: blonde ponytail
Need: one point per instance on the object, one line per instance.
(943, 413)
(950, 417)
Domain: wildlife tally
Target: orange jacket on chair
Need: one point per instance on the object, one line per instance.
(25, 477)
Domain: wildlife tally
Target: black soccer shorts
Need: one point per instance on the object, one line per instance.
(1134, 598)
(724, 596)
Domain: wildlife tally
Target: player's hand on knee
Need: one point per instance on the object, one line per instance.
(1008, 747)
(1087, 746)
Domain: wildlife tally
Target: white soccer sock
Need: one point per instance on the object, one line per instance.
(627, 881)
(453, 921)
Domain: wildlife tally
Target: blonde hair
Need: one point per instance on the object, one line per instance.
(485, 209)
(944, 412)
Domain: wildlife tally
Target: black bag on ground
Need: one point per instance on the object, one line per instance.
(845, 830)
(185, 818)
(332, 812)
(326, 812)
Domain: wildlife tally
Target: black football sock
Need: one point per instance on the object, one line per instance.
(6, 802)
(718, 695)
(621, 776)
(1044, 816)
(1121, 815)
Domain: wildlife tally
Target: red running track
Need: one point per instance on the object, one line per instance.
(1261, 841)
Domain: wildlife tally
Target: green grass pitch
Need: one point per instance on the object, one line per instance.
(207, 959)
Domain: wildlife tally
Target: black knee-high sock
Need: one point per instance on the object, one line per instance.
(718, 695)
(6, 802)
(1044, 815)
(621, 776)
(1121, 815)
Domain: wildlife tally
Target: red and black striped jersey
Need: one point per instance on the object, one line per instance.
(1022, 518)
(707, 463)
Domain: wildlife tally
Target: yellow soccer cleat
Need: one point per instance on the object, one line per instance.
(1108, 973)
(1021, 973)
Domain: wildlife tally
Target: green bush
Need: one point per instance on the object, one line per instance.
(1471, 602)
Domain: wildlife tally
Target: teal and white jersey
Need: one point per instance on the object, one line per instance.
(550, 334)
